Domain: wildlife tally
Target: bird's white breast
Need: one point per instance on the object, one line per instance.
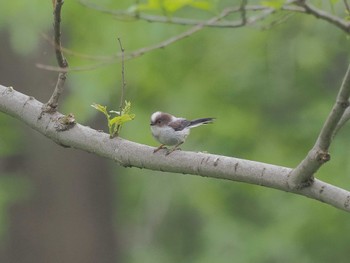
(168, 136)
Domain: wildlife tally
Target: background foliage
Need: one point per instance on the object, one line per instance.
(270, 91)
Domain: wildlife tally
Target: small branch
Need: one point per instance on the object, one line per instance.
(347, 7)
(342, 103)
(61, 60)
(318, 155)
(131, 154)
(52, 104)
(165, 43)
(309, 9)
(191, 31)
(344, 119)
(244, 11)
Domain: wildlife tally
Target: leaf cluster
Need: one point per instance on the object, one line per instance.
(115, 119)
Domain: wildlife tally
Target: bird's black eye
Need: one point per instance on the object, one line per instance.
(159, 121)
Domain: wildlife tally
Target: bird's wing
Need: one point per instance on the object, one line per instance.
(179, 124)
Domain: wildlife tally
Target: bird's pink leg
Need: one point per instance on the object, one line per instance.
(176, 147)
(159, 148)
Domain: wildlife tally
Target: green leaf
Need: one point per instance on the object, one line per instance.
(171, 6)
(101, 108)
(150, 5)
(127, 107)
(115, 123)
(204, 5)
(120, 120)
(174, 5)
(276, 4)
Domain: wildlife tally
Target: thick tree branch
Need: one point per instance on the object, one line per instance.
(318, 155)
(130, 154)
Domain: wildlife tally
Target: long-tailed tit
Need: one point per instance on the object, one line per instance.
(172, 131)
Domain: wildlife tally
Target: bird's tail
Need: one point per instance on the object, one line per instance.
(198, 122)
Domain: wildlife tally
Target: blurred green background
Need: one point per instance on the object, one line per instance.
(270, 90)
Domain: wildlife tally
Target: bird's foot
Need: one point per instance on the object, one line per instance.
(159, 148)
(169, 151)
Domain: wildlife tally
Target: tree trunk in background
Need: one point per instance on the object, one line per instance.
(69, 217)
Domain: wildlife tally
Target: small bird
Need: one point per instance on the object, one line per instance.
(170, 130)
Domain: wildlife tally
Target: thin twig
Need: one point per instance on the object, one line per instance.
(77, 69)
(52, 104)
(277, 21)
(132, 16)
(122, 93)
(121, 104)
(76, 54)
(319, 155)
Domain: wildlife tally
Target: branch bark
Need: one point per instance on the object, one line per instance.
(131, 154)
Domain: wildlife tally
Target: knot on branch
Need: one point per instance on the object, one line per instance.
(48, 108)
(323, 157)
(343, 104)
(63, 62)
(65, 123)
(308, 182)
